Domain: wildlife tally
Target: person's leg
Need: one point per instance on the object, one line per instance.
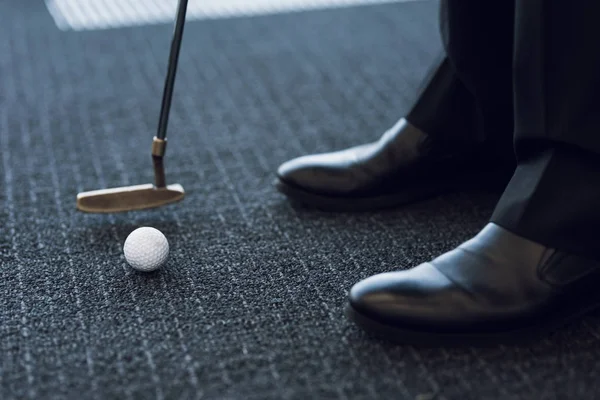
(444, 108)
(446, 141)
(554, 196)
(478, 39)
(536, 264)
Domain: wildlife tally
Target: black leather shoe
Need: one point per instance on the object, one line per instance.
(403, 166)
(497, 287)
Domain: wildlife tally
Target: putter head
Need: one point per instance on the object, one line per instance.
(128, 198)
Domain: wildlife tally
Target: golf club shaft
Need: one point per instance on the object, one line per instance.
(172, 70)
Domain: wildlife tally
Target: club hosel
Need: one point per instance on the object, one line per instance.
(159, 147)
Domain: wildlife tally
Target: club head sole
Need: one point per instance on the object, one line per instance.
(128, 198)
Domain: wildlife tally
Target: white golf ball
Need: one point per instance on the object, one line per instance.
(146, 249)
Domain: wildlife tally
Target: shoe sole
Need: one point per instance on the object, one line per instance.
(490, 180)
(433, 339)
(358, 204)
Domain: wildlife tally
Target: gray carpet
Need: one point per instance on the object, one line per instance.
(250, 304)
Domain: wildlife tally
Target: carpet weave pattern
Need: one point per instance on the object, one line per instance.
(250, 304)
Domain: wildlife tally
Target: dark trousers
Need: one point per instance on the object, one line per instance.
(521, 78)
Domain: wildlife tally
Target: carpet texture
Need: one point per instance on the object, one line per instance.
(250, 304)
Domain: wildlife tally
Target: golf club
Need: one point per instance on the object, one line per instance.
(138, 197)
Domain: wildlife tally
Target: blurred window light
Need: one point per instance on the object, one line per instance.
(106, 14)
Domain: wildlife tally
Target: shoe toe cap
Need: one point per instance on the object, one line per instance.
(319, 174)
(415, 296)
(297, 171)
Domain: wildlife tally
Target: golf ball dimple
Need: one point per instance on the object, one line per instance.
(146, 249)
